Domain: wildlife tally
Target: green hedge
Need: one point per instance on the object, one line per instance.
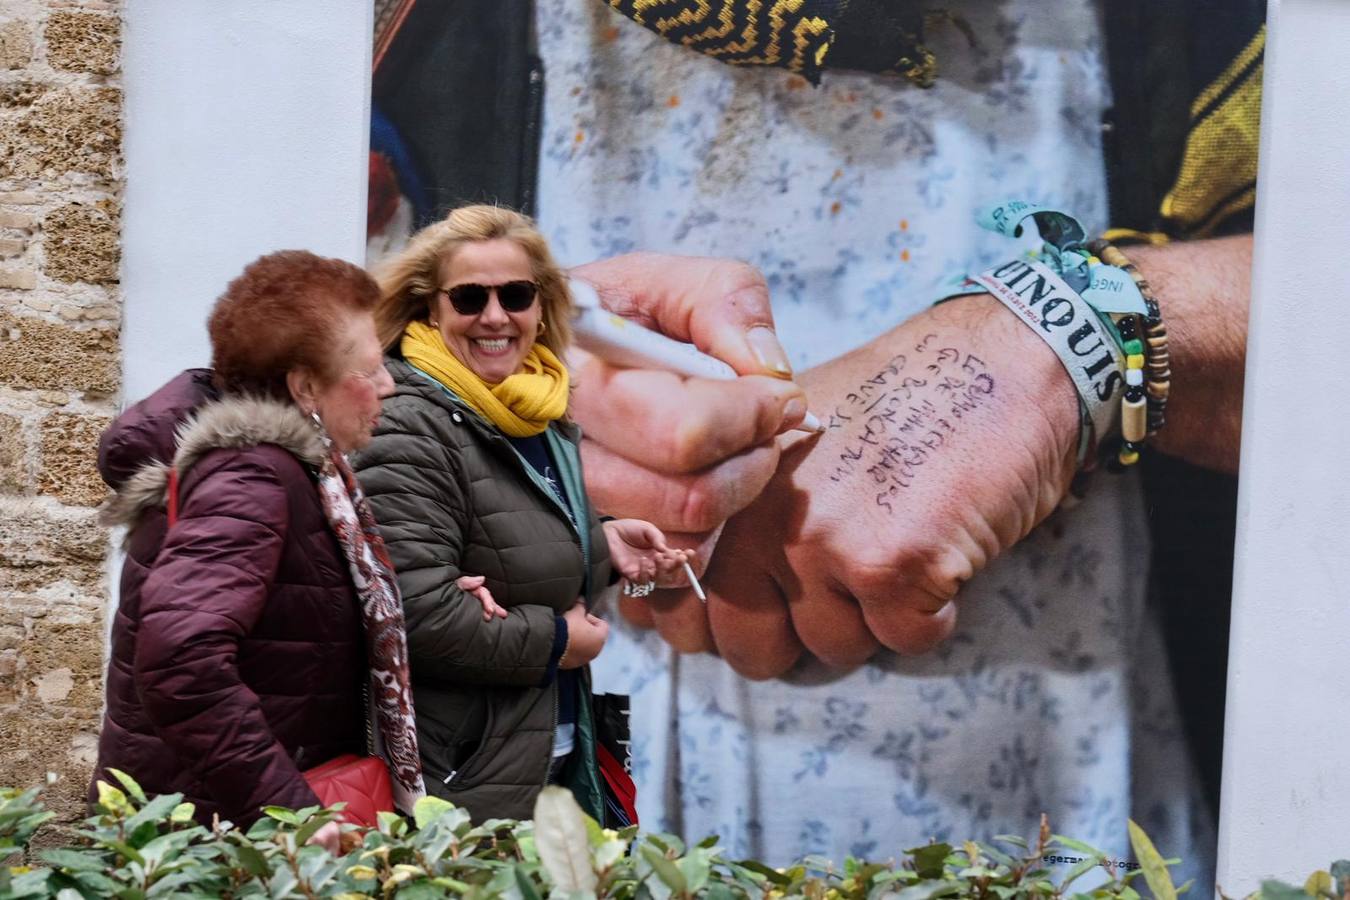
(139, 847)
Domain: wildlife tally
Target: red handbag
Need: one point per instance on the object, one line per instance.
(362, 782)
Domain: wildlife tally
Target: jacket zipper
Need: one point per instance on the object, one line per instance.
(545, 489)
(542, 487)
(535, 478)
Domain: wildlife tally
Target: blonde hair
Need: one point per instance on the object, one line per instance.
(409, 282)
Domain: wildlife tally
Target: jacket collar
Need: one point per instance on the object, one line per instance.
(417, 382)
(229, 423)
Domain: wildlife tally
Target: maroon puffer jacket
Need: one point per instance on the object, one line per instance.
(237, 648)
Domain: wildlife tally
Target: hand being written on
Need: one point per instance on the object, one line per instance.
(947, 440)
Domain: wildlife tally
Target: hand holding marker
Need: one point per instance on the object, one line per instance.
(622, 342)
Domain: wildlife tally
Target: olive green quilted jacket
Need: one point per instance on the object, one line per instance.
(453, 497)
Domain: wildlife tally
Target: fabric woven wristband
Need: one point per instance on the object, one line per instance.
(1072, 328)
(1067, 296)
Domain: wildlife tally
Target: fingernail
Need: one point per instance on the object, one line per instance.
(768, 351)
(794, 410)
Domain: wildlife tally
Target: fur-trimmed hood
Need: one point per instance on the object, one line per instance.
(230, 422)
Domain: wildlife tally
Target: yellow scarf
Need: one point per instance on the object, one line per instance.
(520, 406)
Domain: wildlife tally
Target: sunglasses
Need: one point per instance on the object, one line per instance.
(472, 299)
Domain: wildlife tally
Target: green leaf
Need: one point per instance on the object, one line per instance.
(129, 783)
(929, 859)
(30, 884)
(113, 801)
(97, 882)
(930, 890)
(1015, 840)
(774, 876)
(595, 834)
(422, 890)
(252, 859)
(391, 823)
(1319, 882)
(997, 855)
(718, 891)
(154, 812)
(309, 829)
(452, 885)
(182, 813)
(282, 882)
(1278, 890)
(1086, 849)
(1155, 871)
(1080, 868)
(667, 871)
(608, 853)
(527, 889)
(561, 840)
(281, 814)
(131, 853)
(73, 860)
(429, 809)
(696, 867)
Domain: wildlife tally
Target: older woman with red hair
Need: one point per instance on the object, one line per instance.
(258, 606)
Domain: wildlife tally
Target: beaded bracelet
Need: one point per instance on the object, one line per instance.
(1096, 295)
(1148, 370)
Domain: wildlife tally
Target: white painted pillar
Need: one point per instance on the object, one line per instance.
(246, 132)
(1287, 744)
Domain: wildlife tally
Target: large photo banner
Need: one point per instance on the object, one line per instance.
(920, 622)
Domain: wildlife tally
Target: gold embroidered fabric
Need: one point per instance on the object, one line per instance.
(1218, 169)
(779, 33)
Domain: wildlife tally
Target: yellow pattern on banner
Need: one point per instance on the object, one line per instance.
(746, 32)
(1218, 170)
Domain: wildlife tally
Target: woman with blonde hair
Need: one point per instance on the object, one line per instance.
(475, 476)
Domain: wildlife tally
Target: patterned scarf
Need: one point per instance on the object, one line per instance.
(352, 522)
(521, 405)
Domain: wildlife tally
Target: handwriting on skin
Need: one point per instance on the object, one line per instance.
(899, 419)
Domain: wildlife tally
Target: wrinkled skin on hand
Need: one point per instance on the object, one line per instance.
(684, 453)
(949, 439)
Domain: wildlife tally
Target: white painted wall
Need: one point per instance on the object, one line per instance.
(1287, 745)
(246, 132)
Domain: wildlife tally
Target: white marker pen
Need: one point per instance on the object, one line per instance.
(623, 342)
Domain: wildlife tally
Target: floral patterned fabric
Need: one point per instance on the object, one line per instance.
(857, 199)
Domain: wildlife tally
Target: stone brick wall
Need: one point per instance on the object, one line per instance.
(60, 365)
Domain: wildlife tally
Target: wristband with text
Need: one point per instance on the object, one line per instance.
(1078, 304)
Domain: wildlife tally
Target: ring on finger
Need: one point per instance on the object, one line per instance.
(638, 590)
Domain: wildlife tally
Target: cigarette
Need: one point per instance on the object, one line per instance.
(693, 582)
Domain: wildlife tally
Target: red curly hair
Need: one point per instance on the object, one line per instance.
(286, 310)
